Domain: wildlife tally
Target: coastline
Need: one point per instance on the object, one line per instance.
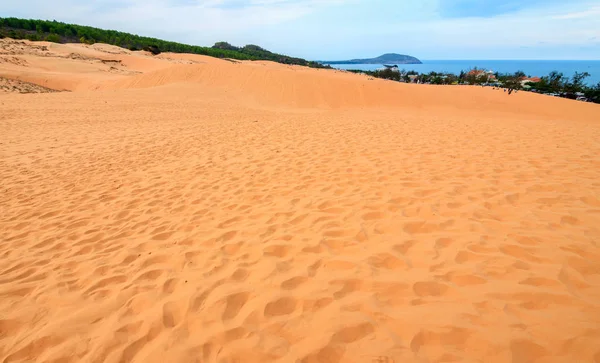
(530, 67)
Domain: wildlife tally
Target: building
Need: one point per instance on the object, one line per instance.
(525, 80)
(482, 74)
(393, 68)
(476, 72)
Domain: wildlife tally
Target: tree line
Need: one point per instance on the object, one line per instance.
(59, 32)
(555, 83)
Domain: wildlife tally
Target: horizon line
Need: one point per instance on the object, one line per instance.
(490, 59)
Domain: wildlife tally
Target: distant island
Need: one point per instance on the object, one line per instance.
(388, 58)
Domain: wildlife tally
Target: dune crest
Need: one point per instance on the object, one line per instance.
(180, 208)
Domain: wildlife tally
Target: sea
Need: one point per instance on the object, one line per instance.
(533, 68)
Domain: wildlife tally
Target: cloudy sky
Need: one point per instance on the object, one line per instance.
(342, 29)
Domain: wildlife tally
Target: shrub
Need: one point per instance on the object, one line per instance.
(54, 38)
(152, 49)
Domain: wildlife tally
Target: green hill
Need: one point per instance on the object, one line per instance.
(59, 32)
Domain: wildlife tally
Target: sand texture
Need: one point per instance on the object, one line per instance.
(181, 208)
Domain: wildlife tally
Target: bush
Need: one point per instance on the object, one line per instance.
(152, 49)
(54, 38)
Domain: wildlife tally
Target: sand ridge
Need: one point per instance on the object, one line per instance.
(212, 211)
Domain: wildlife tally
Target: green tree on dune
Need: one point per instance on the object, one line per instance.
(61, 32)
(576, 83)
(53, 38)
(593, 93)
(555, 81)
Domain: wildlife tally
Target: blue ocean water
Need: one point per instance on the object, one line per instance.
(534, 68)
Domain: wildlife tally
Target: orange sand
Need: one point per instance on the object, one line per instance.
(181, 208)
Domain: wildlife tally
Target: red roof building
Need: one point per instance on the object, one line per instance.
(530, 79)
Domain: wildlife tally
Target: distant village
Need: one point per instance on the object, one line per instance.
(555, 84)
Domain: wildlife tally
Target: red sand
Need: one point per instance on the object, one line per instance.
(181, 208)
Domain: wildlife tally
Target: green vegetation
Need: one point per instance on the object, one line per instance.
(257, 52)
(53, 38)
(384, 74)
(59, 32)
(555, 83)
(411, 76)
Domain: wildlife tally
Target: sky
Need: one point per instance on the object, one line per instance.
(346, 29)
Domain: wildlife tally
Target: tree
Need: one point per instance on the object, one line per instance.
(513, 83)
(593, 93)
(451, 79)
(437, 80)
(472, 77)
(387, 74)
(225, 46)
(576, 84)
(555, 81)
(152, 49)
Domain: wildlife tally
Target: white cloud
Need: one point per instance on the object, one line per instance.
(592, 12)
(563, 31)
(171, 17)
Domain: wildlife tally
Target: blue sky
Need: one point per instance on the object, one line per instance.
(343, 29)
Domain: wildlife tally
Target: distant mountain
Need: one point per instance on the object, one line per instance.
(389, 58)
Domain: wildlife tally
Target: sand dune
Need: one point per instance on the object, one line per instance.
(189, 209)
(272, 84)
(72, 66)
(16, 86)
